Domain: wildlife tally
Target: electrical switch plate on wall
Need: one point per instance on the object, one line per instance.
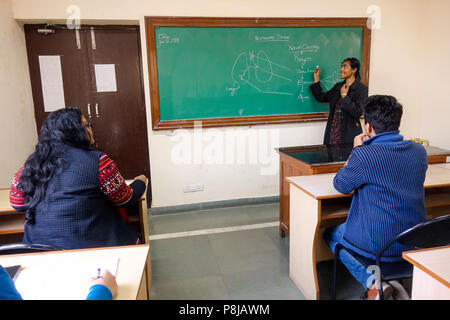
(193, 187)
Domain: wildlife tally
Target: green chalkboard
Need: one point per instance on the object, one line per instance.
(222, 72)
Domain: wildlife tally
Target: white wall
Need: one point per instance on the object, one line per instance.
(433, 75)
(18, 127)
(397, 51)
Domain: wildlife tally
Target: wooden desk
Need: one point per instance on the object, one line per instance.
(431, 275)
(317, 159)
(315, 205)
(145, 235)
(11, 222)
(130, 270)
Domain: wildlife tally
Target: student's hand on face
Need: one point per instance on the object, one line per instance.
(344, 90)
(106, 279)
(317, 72)
(359, 139)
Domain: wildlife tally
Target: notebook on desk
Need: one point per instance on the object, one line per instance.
(62, 281)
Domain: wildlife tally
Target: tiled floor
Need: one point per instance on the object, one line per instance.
(223, 264)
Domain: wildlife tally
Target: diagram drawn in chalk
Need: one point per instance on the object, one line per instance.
(330, 80)
(256, 71)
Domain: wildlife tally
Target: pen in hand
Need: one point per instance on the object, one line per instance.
(106, 279)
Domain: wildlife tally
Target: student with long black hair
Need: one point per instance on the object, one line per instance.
(70, 192)
(344, 99)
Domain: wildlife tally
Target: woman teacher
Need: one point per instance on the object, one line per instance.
(344, 99)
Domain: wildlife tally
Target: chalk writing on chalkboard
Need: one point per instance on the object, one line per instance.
(226, 71)
(165, 39)
(253, 70)
(277, 37)
(250, 69)
(304, 48)
(329, 81)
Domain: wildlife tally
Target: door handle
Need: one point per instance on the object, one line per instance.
(89, 110)
(96, 110)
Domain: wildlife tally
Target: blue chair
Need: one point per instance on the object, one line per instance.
(428, 234)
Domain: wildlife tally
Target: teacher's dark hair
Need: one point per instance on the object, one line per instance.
(354, 64)
(383, 113)
(62, 128)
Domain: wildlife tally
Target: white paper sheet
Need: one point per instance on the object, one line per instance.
(105, 77)
(52, 83)
(62, 281)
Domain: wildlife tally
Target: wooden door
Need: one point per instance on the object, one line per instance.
(63, 43)
(118, 117)
(120, 126)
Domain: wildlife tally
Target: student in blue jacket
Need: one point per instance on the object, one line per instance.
(102, 288)
(387, 175)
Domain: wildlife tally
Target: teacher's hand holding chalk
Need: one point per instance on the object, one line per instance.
(317, 74)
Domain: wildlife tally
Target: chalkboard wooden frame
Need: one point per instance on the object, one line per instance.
(158, 21)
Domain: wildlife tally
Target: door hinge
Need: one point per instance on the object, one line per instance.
(77, 37)
(94, 45)
(46, 31)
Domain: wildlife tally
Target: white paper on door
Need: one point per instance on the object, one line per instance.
(105, 77)
(52, 83)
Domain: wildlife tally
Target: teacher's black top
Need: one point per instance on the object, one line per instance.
(350, 107)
